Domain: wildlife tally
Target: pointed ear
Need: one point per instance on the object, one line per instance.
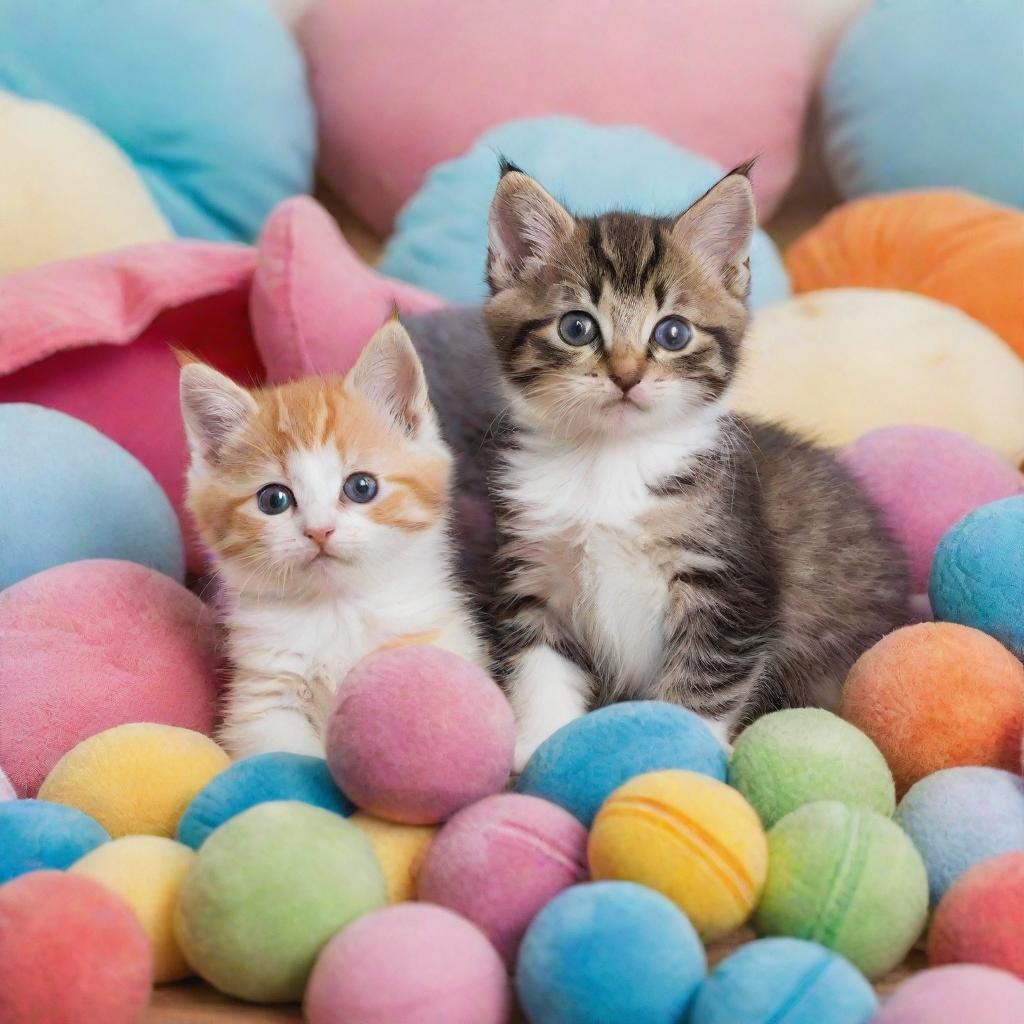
(718, 229)
(213, 407)
(389, 375)
(524, 226)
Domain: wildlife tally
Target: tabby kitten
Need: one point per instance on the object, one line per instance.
(325, 504)
(654, 544)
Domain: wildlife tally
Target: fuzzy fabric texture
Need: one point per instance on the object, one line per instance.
(6, 789)
(400, 850)
(967, 992)
(848, 878)
(91, 645)
(40, 835)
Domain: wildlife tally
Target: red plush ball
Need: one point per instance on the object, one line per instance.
(71, 952)
(980, 920)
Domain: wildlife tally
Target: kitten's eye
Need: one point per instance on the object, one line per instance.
(673, 333)
(274, 499)
(360, 487)
(577, 329)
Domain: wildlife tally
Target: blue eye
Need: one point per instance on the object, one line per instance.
(673, 334)
(578, 329)
(360, 487)
(274, 499)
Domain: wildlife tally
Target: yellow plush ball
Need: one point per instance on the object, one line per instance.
(689, 836)
(135, 779)
(147, 873)
(400, 850)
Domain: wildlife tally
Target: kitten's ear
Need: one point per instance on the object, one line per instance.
(389, 375)
(719, 227)
(213, 406)
(524, 226)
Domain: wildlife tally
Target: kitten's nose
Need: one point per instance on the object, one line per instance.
(319, 534)
(627, 380)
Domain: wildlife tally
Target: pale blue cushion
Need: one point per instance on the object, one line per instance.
(440, 239)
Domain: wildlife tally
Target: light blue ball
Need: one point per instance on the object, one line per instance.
(609, 953)
(977, 576)
(257, 780)
(35, 835)
(70, 493)
(208, 100)
(924, 93)
(774, 980)
(440, 238)
(579, 765)
(960, 816)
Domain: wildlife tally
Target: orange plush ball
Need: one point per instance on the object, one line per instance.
(949, 245)
(937, 695)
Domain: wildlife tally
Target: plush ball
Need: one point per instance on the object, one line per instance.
(400, 850)
(810, 362)
(609, 952)
(959, 992)
(521, 71)
(794, 757)
(71, 952)
(771, 980)
(940, 243)
(6, 789)
(977, 577)
(267, 891)
(94, 644)
(57, 506)
(925, 480)
(417, 964)
(39, 835)
(256, 780)
(440, 241)
(937, 695)
(690, 837)
(135, 779)
(417, 732)
(957, 82)
(960, 816)
(219, 125)
(579, 765)
(498, 861)
(848, 878)
(979, 918)
(147, 872)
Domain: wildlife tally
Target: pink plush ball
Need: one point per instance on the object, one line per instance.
(71, 952)
(413, 963)
(500, 861)
(961, 992)
(94, 644)
(399, 87)
(417, 732)
(925, 480)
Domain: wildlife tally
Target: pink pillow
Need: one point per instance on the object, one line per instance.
(399, 87)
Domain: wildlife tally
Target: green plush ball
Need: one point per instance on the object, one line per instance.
(266, 892)
(794, 757)
(847, 878)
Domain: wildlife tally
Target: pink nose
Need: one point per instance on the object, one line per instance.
(319, 534)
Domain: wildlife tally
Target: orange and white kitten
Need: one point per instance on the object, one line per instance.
(325, 504)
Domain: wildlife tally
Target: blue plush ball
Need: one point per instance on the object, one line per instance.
(775, 980)
(277, 776)
(960, 816)
(609, 952)
(208, 100)
(440, 238)
(578, 766)
(977, 576)
(928, 93)
(70, 493)
(35, 835)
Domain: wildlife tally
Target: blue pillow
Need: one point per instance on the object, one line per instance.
(208, 100)
(440, 239)
(36, 835)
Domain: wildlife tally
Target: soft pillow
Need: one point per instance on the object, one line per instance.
(400, 87)
(208, 100)
(440, 241)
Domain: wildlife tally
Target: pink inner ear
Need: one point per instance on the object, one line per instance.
(314, 303)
